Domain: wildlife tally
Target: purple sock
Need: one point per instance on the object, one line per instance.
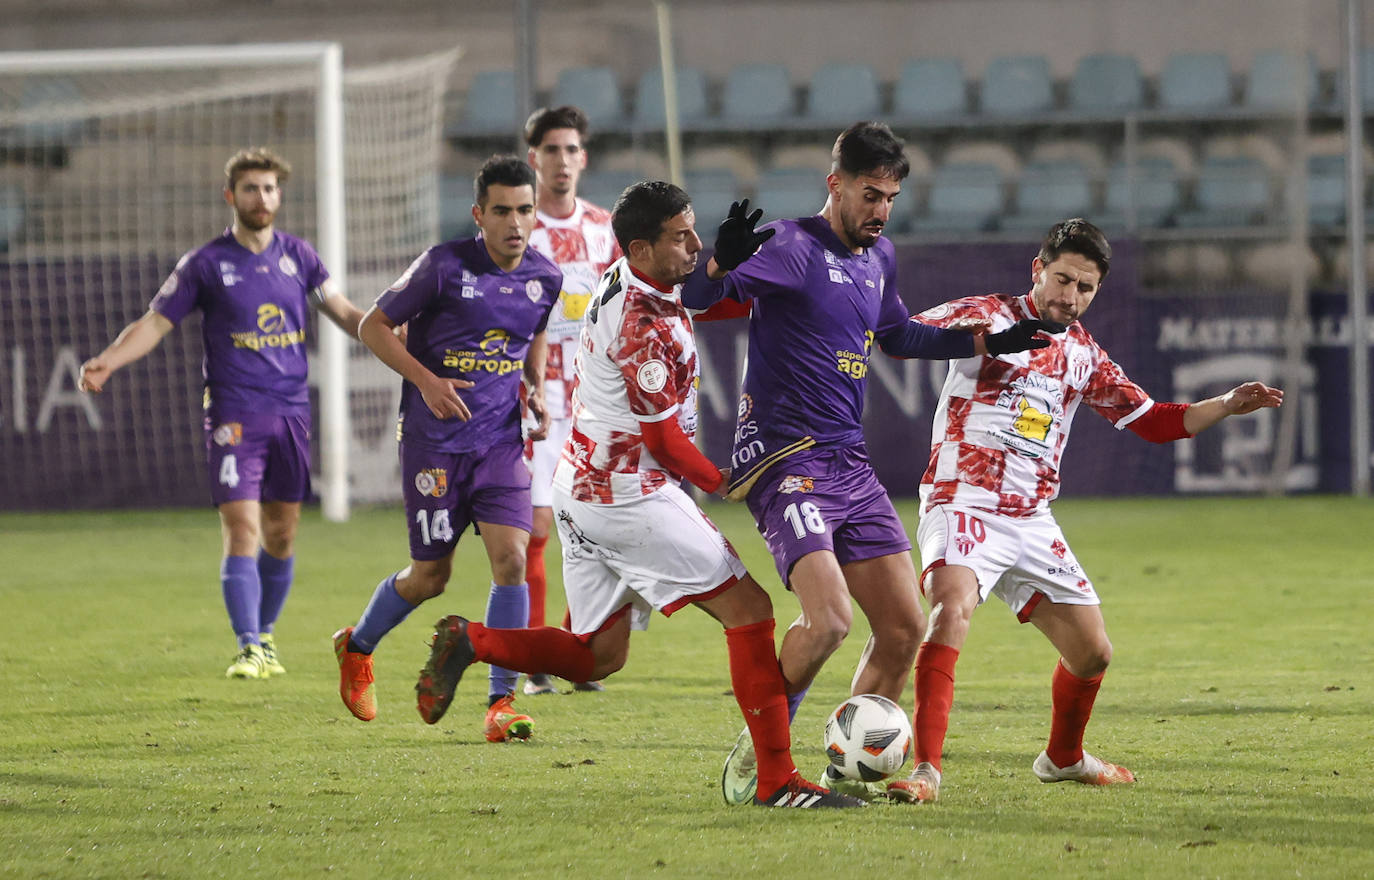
(508, 607)
(276, 575)
(384, 613)
(794, 702)
(238, 580)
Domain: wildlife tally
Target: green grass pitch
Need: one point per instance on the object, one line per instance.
(1242, 695)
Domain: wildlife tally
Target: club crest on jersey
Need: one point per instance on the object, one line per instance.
(534, 290)
(1080, 365)
(432, 482)
(287, 266)
(270, 318)
(792, 483)
(965, 544)
(228, 434)
(652, 376)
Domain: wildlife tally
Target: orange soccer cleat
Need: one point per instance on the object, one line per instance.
(504, 723)
(355, 677)
(921, 787)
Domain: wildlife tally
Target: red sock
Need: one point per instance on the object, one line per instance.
(546, 649)
(757, 680)
(534, 576)
(1073, 706)
(934, 697)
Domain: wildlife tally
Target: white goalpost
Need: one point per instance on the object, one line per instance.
(110, 167)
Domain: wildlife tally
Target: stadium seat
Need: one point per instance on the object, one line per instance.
(1270, 264)
(1049, 191)
(964, 197)
(643, 164)
(738, 159)
(48, 93)
(1231, 191)
(1278, 79)
(930, 88)
(1018, 85)
(1106, 84)
(757, 95)
(784, 193)
(842, 92)
(691, 98)
(712, 190)
(1151, 190)
(455, 207)
(1195, 81)
(1326, 190)
(604, 186)
(490, 105)
(11, 215)
(595, 90)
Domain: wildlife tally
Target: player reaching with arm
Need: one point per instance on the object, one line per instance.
(576, 235)
(475, 310)
(823, 291)
(253, 285)
(986, 528)
(633, 541)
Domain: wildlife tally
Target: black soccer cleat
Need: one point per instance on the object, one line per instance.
(807, 795)
(450, 654)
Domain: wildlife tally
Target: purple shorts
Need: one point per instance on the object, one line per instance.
(825, 499)
(257, 457)
(447, 492)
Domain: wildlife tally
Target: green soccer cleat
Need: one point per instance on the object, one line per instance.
(269, 654)
(740, 778)
(250, 663)
(864, 791)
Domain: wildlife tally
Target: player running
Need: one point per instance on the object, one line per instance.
(823, 291)
(253, 285)
(475, 310)
(576, 235)
(986, 528)
(633, 541)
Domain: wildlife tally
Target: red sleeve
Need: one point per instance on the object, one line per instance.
(1161, 423)
(674, 451)
(724, 310)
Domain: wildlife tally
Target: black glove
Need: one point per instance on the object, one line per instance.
(1021, 336)
(736, 239)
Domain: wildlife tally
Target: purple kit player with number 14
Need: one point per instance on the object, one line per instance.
(252, 285)
(475, 312)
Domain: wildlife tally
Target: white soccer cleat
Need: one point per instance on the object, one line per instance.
(740, 778)
(921, 787)
(1088, 770)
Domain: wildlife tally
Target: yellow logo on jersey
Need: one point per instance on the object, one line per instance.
(270, 318)
(494, 342)
(1031, 423)
(574, 305)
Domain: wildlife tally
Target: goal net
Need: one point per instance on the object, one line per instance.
(111, 167)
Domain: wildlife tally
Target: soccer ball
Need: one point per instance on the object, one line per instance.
(868, 737)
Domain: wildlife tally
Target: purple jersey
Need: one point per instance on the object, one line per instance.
(817, 309)
(255, 308)
(469, 319)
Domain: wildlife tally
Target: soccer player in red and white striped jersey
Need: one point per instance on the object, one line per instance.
(986, 526)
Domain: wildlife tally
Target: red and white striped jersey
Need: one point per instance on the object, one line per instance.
(636, 362)
(583, 245)
(1002, 422)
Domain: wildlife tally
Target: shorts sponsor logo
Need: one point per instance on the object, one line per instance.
(1063, 569)
(1082, 585)
(652, 376)
(432, 482)
(534, 290)
(965, 544)
(792, 483)
(228, 434)
(1058, 548)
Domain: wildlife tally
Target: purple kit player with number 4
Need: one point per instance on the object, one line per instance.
(475, 312)
(823, 290)
(252, 284)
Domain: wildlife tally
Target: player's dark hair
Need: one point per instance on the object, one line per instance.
(1077, 236)
(501, 171)
(255, 159)
(643, 208)
(870, 148)
(546, 119)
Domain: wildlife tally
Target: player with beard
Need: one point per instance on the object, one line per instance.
(823, 291)
(253, 286)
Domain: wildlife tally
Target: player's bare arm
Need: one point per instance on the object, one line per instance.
(1239, 401)
(336, 307)
(536, 360)
(132, 343)
(378, 332)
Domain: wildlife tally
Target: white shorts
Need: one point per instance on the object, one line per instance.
(1017, 559)
(655, 552)
(543, 458)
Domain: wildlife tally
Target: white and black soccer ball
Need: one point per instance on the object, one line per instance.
(868, 737)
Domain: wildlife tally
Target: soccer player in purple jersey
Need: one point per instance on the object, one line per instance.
(252, 285)
(822, 291)
(475, 312)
